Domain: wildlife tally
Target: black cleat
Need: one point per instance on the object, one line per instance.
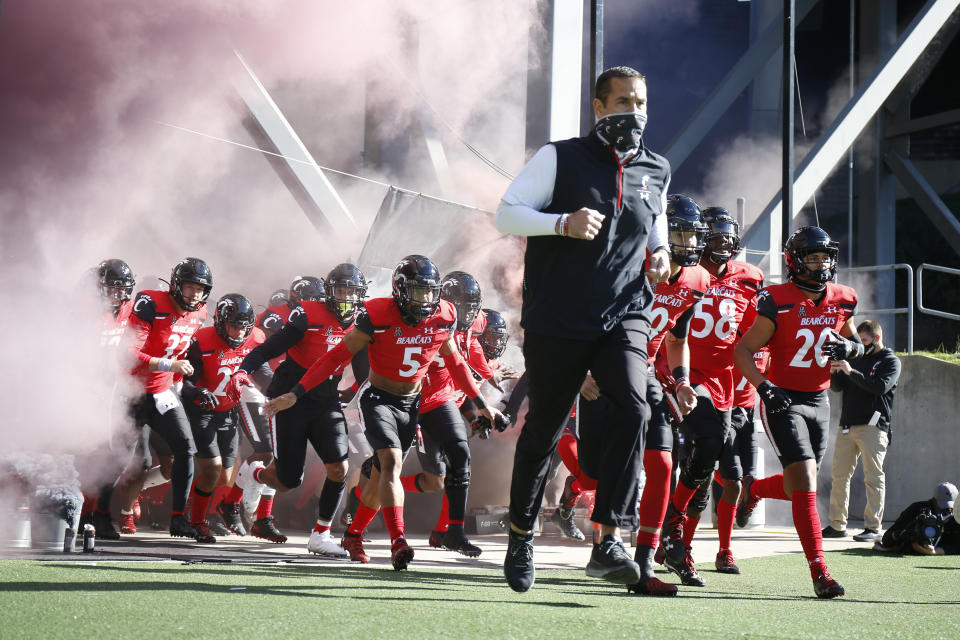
(686, 571)
(826, 587)
(218, 528)
(180, 527)
(436, 539)
(266, 529)
(203, 533)
(747, 502)
(671, 537)
(565, 518)
(104, 526)
(518, 566)
(725, 562)
(609, 560)
(400, 554)
(230, 513)
(649, 584)
(457, 541)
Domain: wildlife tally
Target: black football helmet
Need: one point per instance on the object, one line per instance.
(461, 289)
(495, 335)
(190, 270)
(234, 309)
(346, 289)
(416, 288)
(278, 297)
(723, 235)
(306, 288)
(683, 218)
(799, 245)
(116, 281)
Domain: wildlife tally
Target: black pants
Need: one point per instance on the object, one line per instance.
(556, 368)
(174, 428)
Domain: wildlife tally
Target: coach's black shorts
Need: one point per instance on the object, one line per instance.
(439, 426)
(215, 433)
(659, 427)
(315, 419)
(389, 421)
(745, 438)
(800, 431)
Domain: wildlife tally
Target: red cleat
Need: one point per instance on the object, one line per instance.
(127, 524)
(653, 587)
(826, 587)
(400, 554)
(354, 546)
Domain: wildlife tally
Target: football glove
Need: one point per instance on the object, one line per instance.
(839, 348)
(235, 387)
(205, 399)
(774, 398)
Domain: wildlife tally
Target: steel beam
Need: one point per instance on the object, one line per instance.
(870, 97)
(566, 62)
(926, 123)
(767, 45)
(926, 196)
(297, 168)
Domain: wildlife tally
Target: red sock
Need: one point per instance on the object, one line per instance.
(806, 520)
(682, 495)
(393, 517)
(320, 528)
(265, 508)
(234, 495)
(725, 513)
(361, 519)
(89, 503)
(410, 483)
(201, 501)
(656, 494)
(689, 529)
(219, 495)
(717, 476)
(569, 453)
(356, 491)
(771, 487)
(443, 522)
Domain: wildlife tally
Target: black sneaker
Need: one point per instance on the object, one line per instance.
(266, 529)
(686, 571)
(230, 513)
(747, 503)
(180, 527)
(867, 535)
(518, 565)
(565, 518)
(671, 537)
(103, 523)
(455, 540)
(609, 560)
(830, 532)
(203, 533)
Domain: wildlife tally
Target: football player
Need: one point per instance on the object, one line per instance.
(713, 331)
(215, 354)
(807, 322)
(405, 333)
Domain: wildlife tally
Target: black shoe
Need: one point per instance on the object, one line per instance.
(518, 565)
(203, 533)
(436, 539)
(725, 563)
(671, 537)
(455, 540)
(826, 587)
(649, 584)
(218, 528)
(830, 532)
(103, 523)
(747, 503)
(867, 535)
(180, 527)
(686, 571)
(266, 529)
(230, 513)
(609, 560)
(565, 518)
(349, 508)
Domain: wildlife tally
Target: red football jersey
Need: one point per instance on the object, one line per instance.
(399, 351)
(713, 330)
(158, 332)
(798, 362)
(221, 361)
(438, 386)
(671, 300)
(744, 393)
(113, 326)
(321, 333)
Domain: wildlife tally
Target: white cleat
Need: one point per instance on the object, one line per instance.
(323, 544)
(251, 488)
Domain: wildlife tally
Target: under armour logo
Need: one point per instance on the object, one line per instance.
(398, 332)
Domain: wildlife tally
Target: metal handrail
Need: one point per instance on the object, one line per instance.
(923, 309)
(908, 310)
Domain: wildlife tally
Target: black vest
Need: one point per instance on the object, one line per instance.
(582, 288)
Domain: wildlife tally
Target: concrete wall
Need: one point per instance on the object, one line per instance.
(925, 449)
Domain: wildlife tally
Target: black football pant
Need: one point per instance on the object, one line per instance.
(556, 368)
(173, 427)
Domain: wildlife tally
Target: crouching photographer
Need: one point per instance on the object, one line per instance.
(928, 527)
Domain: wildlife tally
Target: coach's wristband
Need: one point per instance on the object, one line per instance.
(164, 364)
(479, 402)
(298, 390)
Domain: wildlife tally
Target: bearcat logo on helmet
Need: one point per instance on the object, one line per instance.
(416, 288)
(235, 310)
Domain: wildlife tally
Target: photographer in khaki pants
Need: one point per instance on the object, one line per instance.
(868, 387)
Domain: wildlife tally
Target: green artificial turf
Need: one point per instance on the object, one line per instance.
(887, 597)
